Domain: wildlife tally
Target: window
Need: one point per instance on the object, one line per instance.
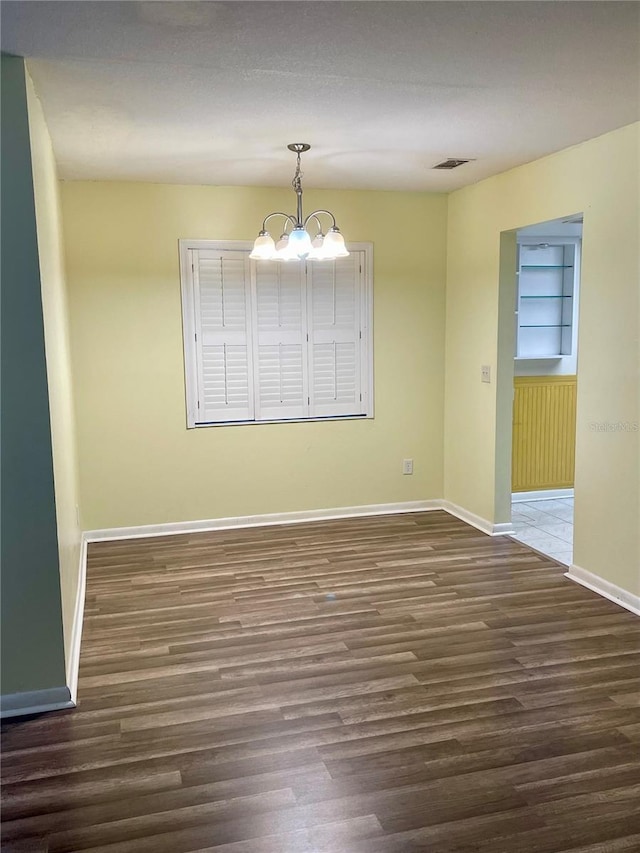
(275, 341)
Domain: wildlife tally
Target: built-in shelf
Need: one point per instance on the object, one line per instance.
(538, 358)
(546, 266)
(546, 288)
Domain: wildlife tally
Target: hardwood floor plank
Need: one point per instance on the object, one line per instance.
(75, 791)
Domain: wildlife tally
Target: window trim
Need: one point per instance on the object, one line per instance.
(185, 247)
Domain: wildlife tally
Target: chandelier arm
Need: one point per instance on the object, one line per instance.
(318, 223)
(278, 213)
(315, 215)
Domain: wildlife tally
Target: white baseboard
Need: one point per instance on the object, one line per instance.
(35, 702)
(502, 529)
(605, 588)
(298, 517)
(541, 495)
(73, 663)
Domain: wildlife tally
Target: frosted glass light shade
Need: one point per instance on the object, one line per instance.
(300, 242)
(317, 249)
(264, 248)
(284, 251)
(334, 246)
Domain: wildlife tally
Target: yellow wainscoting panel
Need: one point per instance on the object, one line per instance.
(544, 432)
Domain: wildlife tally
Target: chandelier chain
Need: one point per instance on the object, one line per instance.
(296, 183)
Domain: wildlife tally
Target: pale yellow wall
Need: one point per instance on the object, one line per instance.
(599, 177)
(56, 330)
(138, 462)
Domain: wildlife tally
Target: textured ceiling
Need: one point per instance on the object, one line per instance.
(212, 92)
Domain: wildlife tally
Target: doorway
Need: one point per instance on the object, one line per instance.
(544, 385)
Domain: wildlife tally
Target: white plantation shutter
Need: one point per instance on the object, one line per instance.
(268, 341)
(280, 340)
(221, 282)
(335, 337)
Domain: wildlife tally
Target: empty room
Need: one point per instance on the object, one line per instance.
(320, 427)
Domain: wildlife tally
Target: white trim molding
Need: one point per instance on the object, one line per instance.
(267, 520)
(36, 702)
(541, 495)
(73, 663)
(297, 517)
(501, 529)
(605, 588)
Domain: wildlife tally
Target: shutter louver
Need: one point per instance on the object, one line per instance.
(225, 383)
(335, 337)
(281, 387)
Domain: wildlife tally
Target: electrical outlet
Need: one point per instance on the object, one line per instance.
(485, 373)
(407, 466)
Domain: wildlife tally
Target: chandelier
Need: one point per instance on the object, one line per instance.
(295, 242)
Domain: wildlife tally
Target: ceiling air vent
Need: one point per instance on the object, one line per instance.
(451, 163)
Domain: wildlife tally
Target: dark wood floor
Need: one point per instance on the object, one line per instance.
(368, 685)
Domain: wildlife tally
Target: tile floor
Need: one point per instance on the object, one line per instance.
(546, 525)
